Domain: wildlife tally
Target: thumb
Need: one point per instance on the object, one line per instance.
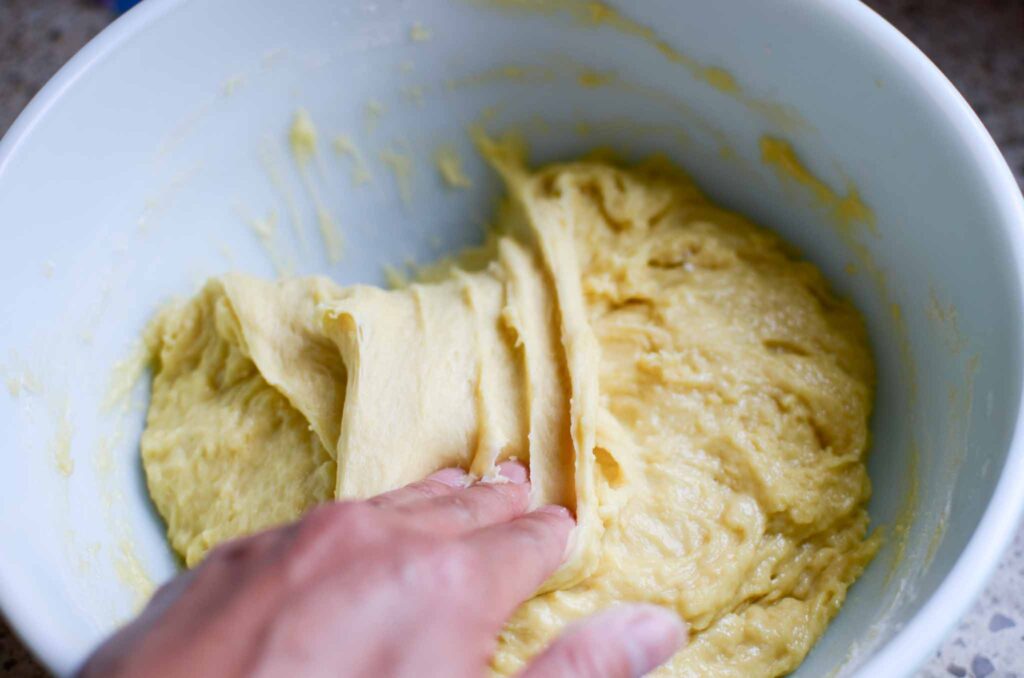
(623, 642)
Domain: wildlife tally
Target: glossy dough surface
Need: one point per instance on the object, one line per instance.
(669, 370)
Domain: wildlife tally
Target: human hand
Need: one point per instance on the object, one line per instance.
(414, 582)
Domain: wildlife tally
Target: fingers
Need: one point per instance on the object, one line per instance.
(510, 471)
(442, 483)
(479, 505)
(447, 504)
(623, 642)
(517, 556)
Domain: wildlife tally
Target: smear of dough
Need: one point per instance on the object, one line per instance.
(103, 458)
(945, 320)
(593, 14)
(125, 376)
(449, 164)
(414, 93)
(233, 84)
(331, 234)
(846, 210)
(374, 111)
(131, 573)
(506, 73)
(344, 145)
(271, 161)
(400, 165)
(666, 369)
(303, 138)
(420, 33)
(265, 230)
(395, 277)
(21, 381)
(588, 77)
(61, 444)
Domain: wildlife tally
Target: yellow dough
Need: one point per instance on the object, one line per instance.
(667, 369)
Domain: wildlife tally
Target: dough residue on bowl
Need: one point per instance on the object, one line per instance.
(668, 370)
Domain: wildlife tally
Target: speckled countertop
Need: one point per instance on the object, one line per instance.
(979, 44)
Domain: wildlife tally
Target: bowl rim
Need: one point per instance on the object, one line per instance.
(973, 568)
(999, 522)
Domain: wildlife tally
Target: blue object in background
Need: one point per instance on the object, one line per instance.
(120, 6)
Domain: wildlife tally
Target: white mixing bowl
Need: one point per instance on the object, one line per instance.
(129, 179)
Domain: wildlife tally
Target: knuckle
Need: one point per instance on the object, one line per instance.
(328, 520)
(319, 519)
(235, 551)
(211, 571)
(417, 563)
(509, 497)
(356, 516)
(430, 488)
(225, 555)
(433, 564)
(491, 492)
(453, 566)
(460, 506)
(327, 531)
(424, 489)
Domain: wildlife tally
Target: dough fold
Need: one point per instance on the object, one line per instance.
(671, 372)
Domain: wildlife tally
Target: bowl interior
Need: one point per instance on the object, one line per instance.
(150, 162)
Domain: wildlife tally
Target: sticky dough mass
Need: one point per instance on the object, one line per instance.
(668, 370)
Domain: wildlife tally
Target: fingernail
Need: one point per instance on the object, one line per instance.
(556, 510)
(652, 635)
(453, 477)
(513, 471)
